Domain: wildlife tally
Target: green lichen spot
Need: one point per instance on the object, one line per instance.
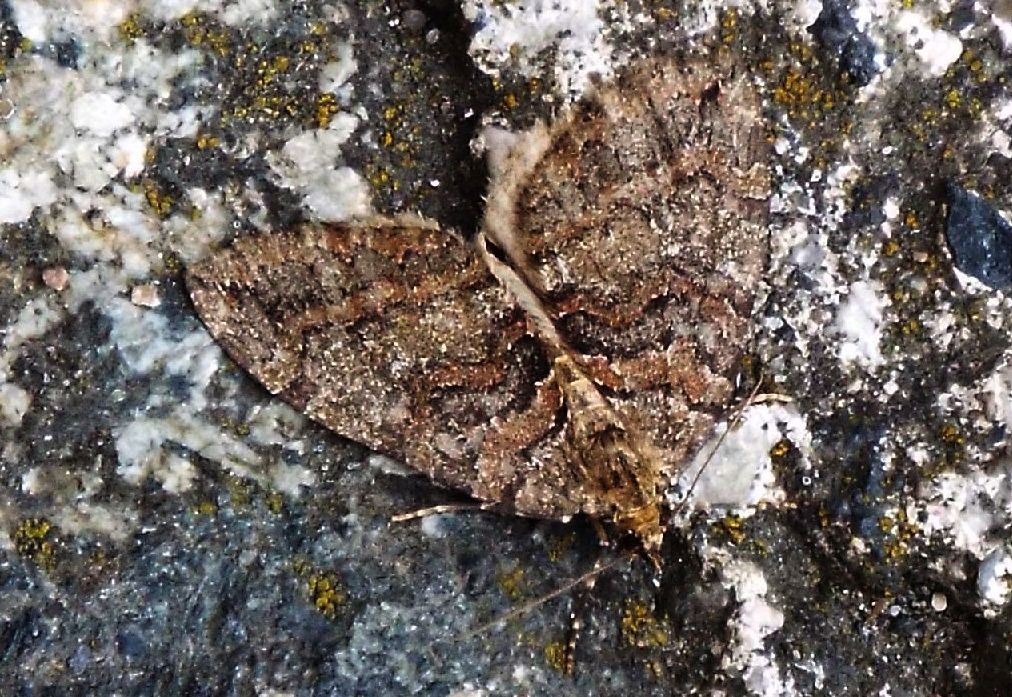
(206, 508)
(240, 491)
(558, 546)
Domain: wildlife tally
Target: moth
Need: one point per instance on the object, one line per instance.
(571, 355)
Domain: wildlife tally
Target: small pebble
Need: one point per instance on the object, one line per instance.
(980, 238)
(145, 296)
(55, 277)
(939, 602)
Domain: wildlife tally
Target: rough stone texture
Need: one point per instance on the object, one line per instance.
(170, 529)
(980, 239)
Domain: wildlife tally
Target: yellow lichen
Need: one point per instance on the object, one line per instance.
(780, 449)
(33, 540)
(326, 593)
(729, 26)
(899, 530)
(733, 527)
(275, 502)
(205, 141)
(160, 202)
(557, 657)
(512, 583)
(951, 435)
(130, 28)
(640, 628)
(326, 107)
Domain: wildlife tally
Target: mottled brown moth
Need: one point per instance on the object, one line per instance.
(573, 354)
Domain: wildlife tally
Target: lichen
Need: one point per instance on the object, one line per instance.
(640, 628)
(34, 540)
(558, 657)
(324, 589)
(512, 583)
(326, 593)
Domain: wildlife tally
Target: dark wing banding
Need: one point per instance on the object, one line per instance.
(640, 219)
(394, 334)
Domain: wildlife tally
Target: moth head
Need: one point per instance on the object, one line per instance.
(645, 524)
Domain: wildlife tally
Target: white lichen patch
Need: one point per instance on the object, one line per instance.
(936, 48)
(141, 453)
(291, 479)
(334, 76)
(859, 323)
(519, 33)
(85, 517)
(239, 13)
(21, 192)
(911, 32)
(275, 423)
(962, 508)
(14, 403)
(755, 620)
(994, 581)
(737, 469)
(970, 512)
(804, 13)
(37, 317)
(73, 148)
(310, 164)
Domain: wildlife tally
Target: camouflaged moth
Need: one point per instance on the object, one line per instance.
(570, 356)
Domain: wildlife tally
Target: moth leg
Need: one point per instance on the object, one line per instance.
(578, 609)
(602, 533)
(475, 507)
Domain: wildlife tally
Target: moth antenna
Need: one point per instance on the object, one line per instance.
(541, 600)
(720, 441)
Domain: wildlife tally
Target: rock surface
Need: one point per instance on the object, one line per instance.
(168, 528)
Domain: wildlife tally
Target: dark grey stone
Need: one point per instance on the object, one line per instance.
(837, 31)
(979, 237)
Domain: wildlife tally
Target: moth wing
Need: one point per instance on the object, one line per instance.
(641, 221)
(394, 334)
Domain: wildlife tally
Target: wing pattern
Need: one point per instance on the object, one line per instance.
(574, 357)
